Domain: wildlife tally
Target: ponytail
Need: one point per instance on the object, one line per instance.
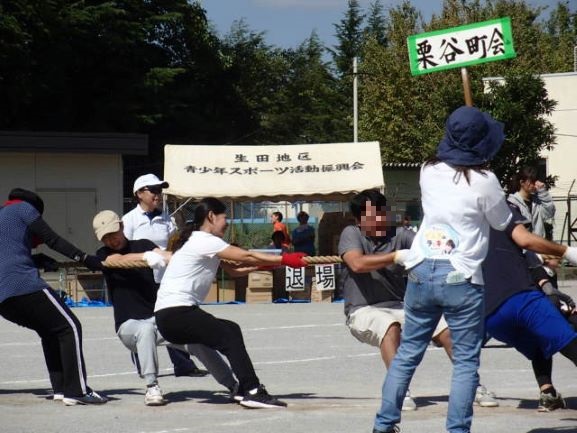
(206, 205)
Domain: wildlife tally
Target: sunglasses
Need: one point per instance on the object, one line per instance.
(152, 189)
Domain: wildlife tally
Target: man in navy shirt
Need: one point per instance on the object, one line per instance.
(27, 300)
(517, 312)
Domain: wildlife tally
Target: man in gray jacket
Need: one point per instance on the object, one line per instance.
(532, 198)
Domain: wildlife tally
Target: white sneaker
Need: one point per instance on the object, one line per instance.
(408, 403)
(58, 397)
(153, 396)
(485, 398)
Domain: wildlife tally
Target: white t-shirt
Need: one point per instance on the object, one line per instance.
(190, 272)
(457, 219)
(138, 226)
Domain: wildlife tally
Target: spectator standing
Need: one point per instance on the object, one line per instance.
(530, 195)
(278, 226)
(303, 236)
(148, 221)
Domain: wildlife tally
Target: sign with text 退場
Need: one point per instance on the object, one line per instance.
(461, 46)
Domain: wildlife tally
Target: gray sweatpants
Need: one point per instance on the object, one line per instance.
(142, 337)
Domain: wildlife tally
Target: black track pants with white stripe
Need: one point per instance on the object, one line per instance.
(61, 335)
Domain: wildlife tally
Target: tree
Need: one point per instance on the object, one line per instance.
(309, 106)
(521, 103)
(350, 38)
(376, 27)
(257, 72)
(561, 38)
(406, 114)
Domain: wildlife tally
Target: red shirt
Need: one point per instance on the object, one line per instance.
(277, 226)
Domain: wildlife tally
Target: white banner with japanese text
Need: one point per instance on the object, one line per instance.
(272, 172)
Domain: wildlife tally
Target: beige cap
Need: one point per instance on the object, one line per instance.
(105, 222)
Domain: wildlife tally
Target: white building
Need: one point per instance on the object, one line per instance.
(77, 175)
(561, 161)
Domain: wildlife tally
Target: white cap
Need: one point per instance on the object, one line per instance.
(105, 222)
(148, 180)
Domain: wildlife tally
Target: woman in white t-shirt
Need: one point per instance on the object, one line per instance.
(461, 200)
(186, 283)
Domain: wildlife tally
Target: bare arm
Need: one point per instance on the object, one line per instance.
(359, 262)
(546, 201)
(250, 258)
(131, 257)
(529, 241)
(237, 271)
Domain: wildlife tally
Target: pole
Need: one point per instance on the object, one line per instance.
(355, 107)
(467, 87)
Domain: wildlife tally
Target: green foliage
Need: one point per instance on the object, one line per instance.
(157, 67)
(349, 35)
(376, 24)
(251, 235)
(407, 114)
(521, 103)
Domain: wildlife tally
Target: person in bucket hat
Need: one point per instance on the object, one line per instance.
(461, 200)
(472, 138)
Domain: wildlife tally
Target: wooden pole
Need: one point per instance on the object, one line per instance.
(467, 87)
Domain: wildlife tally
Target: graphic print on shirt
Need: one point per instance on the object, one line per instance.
(439, 241)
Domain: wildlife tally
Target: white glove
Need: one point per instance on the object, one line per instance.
(401, 257)
(154, 260)
(571, 255)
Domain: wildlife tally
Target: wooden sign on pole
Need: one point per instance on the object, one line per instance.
(467, 88)
(462, 46)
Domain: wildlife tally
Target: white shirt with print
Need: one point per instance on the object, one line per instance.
(190, 272)
(457, 218)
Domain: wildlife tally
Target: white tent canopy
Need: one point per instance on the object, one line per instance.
(330, 171)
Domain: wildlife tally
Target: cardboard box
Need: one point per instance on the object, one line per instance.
(212, 293)
(258, 295)
(88, 286)
(322, 295)
(262, 279)
(226, 291)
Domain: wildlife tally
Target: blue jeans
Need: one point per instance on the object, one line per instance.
(429, 296)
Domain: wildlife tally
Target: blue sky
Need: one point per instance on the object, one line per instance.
(287, 23)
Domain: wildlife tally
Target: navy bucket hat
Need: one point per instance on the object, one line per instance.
(472, 137)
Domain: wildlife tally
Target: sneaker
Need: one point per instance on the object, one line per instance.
(92, 397)
(259, 398)
(548, 402)
(153, 396)
(234, 395)
(485, 398)
(408, 403)
(58, 397)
